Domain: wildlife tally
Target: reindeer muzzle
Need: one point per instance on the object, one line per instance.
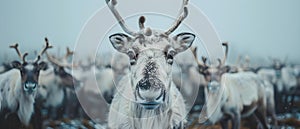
(30, 87)
(150, 93)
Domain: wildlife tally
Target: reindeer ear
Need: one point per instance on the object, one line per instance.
(120, 42)
(183, 41)
(16, 65)
(42, 66)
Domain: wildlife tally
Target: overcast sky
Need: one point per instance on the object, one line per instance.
(252, 27)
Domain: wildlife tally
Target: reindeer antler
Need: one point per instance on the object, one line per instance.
(22, 57)
(17, 49)
(56, 62)
(204, 59)
(182, 15)
(142, 20)
(44, 49)
(199, 63)
(225, 44)
(69, 53)
(111, 4)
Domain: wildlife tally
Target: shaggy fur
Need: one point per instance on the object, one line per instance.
(13, 97)
(243, 94)
(125, 114)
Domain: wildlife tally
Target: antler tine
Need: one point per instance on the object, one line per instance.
(69, 53)
(182, 15)
(17, 50)
(56, 62)
(46, 47)
(225, 44)
(43, 50)
(142, 20)
(121, 21)
(204, 59)
(24, 57)
(194, 51)
(220, 62)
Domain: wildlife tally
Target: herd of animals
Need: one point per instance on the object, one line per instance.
(140, 88)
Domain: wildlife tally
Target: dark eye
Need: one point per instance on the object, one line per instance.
(170, 56)
(132, 57)
(169, 59)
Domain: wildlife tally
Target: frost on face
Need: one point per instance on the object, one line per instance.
(150, 69)
(150, 80)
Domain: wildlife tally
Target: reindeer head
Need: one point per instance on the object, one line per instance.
(277, 65)
(29, 70)
(212, 74)
(151, 54)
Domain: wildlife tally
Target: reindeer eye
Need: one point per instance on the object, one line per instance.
(170, 56)
(132, 57)
(169, 59)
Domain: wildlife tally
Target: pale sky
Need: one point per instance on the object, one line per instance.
(256, 28)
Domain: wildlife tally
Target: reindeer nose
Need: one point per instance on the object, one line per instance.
(150, 89)
(150, 93)
(30, 87)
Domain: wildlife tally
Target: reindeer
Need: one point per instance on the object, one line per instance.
(57, 86)
(146, 97)
(19, 85)
(284, 81)
(239, 94)
(243, 65)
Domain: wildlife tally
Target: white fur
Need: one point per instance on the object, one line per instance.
(2, 69)
(186, 76)
(269, 92)
(288, 78)
(284, 83)
(239, 90)
(120, 65)
(13, 96)
(29, 67)
(123, 111)
(104, 78)
(105, 81)
(49, 89)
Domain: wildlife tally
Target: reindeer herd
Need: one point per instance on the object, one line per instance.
(142, 89)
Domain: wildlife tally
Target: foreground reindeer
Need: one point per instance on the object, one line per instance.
(146, 97)
(19, 85)
(240, 94)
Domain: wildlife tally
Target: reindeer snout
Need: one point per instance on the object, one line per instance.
(30, 87)
(150, 92)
